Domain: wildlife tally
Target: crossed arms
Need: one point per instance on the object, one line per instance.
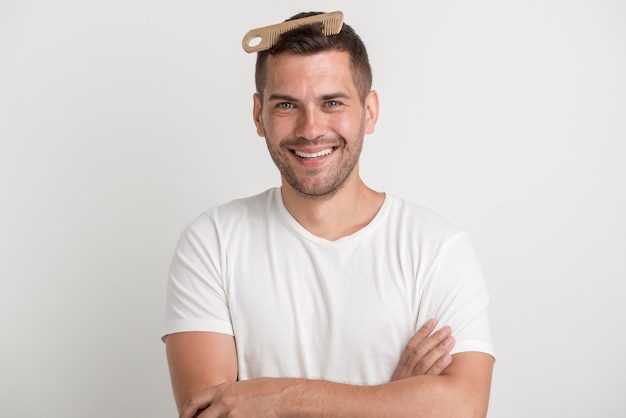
(427, 382)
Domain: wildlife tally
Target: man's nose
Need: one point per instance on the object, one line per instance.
(310, 125)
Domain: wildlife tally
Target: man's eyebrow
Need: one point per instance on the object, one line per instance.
(338, 95)
(324, 97)
(282, 98)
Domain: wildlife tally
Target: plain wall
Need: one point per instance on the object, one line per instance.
(120, 121)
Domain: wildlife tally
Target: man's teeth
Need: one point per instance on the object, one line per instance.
(315, 154)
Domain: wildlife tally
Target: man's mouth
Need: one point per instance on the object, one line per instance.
(317, 154)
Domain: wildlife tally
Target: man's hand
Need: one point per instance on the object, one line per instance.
(425, 353)
(244, 399)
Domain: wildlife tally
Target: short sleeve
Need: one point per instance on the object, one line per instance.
(455, 293)
(195, 297)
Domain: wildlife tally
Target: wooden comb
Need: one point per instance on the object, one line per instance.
(266, 37)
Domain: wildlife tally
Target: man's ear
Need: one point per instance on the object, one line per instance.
(257, 114)
(371, 111)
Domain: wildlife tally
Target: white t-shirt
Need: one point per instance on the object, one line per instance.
(302, 306)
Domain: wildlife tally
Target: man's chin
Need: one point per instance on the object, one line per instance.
(317, 192)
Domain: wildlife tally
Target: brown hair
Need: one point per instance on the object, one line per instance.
(308, 40)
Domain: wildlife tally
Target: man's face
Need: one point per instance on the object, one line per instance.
(313, 120)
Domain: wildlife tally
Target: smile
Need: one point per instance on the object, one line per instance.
(321, 153)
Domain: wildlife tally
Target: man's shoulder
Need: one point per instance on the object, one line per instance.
(236, 212)
(250, 204)
(408, 213)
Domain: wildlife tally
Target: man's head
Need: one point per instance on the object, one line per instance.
(313, 107)
(308, 40)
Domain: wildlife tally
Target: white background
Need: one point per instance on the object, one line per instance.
(121, 120)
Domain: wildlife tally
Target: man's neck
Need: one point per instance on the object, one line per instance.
(349, 209)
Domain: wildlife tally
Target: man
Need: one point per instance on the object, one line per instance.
(302, 300)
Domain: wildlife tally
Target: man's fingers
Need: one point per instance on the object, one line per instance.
(418, 347)
(438, 359)
(424, 331)
(426, 352)
(441, 365)
(197, 404)
(426, 357)
(417, 340)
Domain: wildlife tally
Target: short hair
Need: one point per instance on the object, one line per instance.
(309, 40)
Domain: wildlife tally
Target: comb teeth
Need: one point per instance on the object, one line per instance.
(328, 27)
(268, 35)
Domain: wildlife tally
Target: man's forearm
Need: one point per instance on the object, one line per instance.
(426, 396)
(419, 396)
(463, 391)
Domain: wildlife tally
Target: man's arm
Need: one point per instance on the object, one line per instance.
(462, 391)
(198, 361)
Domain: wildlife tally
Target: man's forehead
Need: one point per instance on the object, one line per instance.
(320, 74)
(326, 62)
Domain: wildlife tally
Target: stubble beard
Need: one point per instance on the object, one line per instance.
(310, 185)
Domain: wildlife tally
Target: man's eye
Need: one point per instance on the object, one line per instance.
(332, 103)
(285, 105)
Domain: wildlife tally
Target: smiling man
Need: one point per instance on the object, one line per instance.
(320, 297)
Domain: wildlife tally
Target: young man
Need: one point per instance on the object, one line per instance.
(303, 300)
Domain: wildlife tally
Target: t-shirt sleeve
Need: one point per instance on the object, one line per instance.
(455, 293)
(196, 297)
